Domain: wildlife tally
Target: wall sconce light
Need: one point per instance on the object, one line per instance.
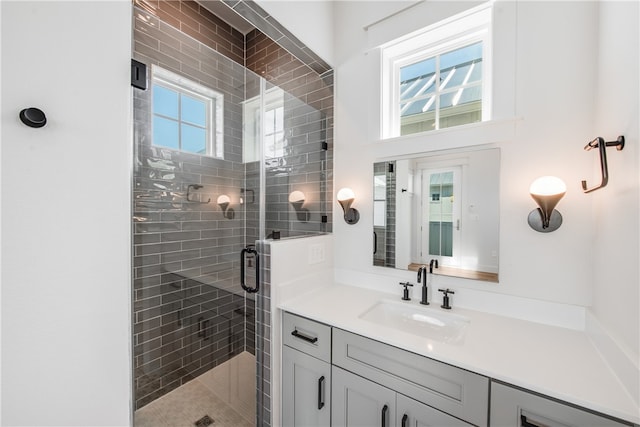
(223, 202)
(547, 192)
(297, 198)
(346, 198)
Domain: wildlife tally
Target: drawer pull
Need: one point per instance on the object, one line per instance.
(321, 392)
(525, 423)
(306, 338)
(385, 409)
(405, 419)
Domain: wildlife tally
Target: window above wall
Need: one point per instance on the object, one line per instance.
(438, 77)
(187, 116)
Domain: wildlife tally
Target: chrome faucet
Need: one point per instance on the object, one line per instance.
(422, 276)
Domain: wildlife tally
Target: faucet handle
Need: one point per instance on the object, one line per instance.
(445, 298)
(405, 292)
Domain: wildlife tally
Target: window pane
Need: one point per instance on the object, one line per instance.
(165, 102)
(379, 213)
(269, 146)
(269, 117)
(194, 111)
(422, 68)
(279, 144)
(418, 86)
(165, 133)
(380, 187)
(476, 74)
(194, 139)
(460, 107)
(279, 119)
(461, 57)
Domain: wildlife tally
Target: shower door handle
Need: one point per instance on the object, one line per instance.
(242, 270)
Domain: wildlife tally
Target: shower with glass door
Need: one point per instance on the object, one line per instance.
(231, 150)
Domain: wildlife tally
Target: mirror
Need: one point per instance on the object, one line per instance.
(442, 206)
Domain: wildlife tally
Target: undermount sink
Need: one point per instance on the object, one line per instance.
(421, 321)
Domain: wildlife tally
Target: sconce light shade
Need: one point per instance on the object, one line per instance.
(346, 198)
(296, 197)
(547, 192)
(223, 202)
(223, 199)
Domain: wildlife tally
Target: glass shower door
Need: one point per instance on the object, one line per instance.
(194, 331)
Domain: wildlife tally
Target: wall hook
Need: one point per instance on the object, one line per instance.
(33, 117)
(601, 145)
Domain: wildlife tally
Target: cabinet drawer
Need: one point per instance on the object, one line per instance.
(515, 407)
(307, 336)
(461, 393)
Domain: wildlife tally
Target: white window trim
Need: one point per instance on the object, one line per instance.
(449, 34)
(213, 99)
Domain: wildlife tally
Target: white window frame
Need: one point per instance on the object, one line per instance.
(469, 27)
(213, 100)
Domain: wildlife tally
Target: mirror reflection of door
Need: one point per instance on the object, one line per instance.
(441, 207)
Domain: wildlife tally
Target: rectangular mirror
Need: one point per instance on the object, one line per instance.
(442, 206)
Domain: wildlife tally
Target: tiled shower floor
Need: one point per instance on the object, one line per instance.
(184, 406)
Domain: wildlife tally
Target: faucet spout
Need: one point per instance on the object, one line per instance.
(422, 277)
(432, 263)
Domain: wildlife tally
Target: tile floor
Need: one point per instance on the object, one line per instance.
(184, 406)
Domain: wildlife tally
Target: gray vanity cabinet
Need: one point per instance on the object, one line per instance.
(453, 391)
(306, 373)
(411, 413)
(357, 402)
(511, 407)
(363, 403)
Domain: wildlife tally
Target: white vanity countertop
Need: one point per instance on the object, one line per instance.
(558, 362)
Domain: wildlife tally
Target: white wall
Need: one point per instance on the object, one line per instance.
(66, 214)
(308, 20)
(298, 266)
(615, 246)
(554, 101)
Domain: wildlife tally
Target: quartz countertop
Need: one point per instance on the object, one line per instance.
(558, 362)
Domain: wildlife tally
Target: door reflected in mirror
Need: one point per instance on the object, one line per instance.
(442, 207)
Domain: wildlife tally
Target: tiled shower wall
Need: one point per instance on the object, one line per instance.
(190, 312)
(385, 238)
(307, 165)
(187, 254)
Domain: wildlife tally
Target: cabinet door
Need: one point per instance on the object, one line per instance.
(411, 413)
(357, 402)
(514, 407)
(306, 384)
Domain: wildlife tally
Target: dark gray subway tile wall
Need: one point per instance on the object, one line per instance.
(190, 314)
(186, 255)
